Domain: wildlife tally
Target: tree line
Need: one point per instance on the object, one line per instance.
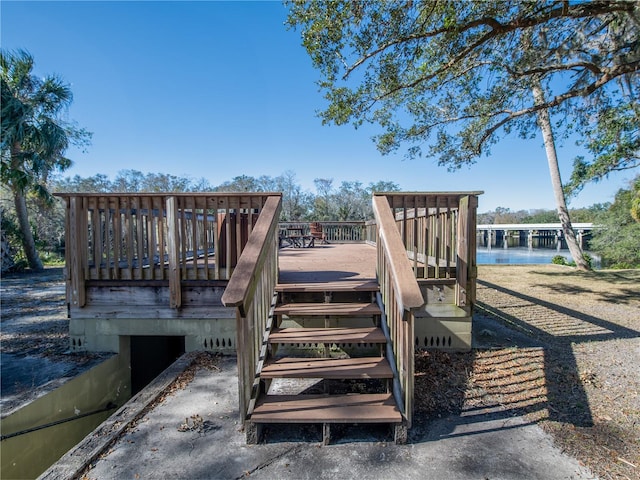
(331, 201)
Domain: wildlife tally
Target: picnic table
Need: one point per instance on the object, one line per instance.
(295, 237)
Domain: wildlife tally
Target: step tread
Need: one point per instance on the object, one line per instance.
(327, 335)
(330, 368)
(348, 408)
(338, 286)
(336, 309)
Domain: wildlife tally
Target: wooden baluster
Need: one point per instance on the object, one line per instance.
(175, 288)
(139, 237)
(77, 245)
(182, 241)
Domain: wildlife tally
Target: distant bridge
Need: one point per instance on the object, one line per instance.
(529, 234)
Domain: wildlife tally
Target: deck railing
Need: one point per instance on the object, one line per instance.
(438, 231)
(251, 290)
(400, 294)
(334, 232)
(172, 237)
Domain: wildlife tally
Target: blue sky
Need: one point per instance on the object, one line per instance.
(221, 89)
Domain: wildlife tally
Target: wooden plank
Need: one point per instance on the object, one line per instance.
(153, 312)
(350, 408)
(181, 237)
(128, 222)
(139, 238)
(463, 254)
(333, 309)
(339, 286)
(174, 260)
(333, 368)
(327, 335)
(76, 269)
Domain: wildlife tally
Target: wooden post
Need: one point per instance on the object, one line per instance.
(78, 245)
(173, 245)
(462, 248)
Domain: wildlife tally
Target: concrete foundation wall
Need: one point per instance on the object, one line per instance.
(102, 335)
(29, 454)
(113, 310)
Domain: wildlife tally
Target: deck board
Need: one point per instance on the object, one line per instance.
(329, 368)
(327, 335)
(327, 263)
(331, 309)
(349, 408)
(331, 286)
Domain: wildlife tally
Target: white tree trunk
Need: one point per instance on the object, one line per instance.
(563, 213)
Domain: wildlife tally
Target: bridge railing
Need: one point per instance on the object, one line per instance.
(168, 237)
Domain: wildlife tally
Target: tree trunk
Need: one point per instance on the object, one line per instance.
(22, 214)
(563, 213)
(28, 243)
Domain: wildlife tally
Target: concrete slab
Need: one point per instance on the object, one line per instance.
(195, 433)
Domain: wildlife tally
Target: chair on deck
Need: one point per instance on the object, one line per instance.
(315, 229)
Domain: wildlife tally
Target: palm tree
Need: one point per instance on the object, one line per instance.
(34, 136)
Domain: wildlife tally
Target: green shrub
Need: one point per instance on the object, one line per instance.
(559, 260)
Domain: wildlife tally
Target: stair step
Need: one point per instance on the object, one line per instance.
(327, 335)
(349, 408)
(338, 286)
(329, 368)
(333, 309)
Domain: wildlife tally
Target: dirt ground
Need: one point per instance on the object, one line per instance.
(557, 345)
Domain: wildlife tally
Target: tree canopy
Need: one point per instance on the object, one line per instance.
(617, 241)
(447, 78)
(35, 136)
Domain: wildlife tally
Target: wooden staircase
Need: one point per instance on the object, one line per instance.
(329, 333)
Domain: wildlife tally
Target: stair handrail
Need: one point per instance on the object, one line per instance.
(389, 238)
(250, 290)
(401, 296)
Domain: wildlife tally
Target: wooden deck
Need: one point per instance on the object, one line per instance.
(182, 260)
(333, 263)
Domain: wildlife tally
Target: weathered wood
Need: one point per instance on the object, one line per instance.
(327, 335)
(462, 249)
(401, 295)
(333, 309)
(350, 408)
(424, 199)
(335, 368)
(75, 239)
(405, 284)
(243, 281)
(173, 246)
(326, 433)
(250, 290)
(338, 286)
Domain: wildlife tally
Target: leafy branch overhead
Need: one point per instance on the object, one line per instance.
(447, 78)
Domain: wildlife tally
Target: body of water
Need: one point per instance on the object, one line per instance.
(520, 255)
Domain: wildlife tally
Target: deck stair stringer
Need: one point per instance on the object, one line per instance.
(348, 386)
